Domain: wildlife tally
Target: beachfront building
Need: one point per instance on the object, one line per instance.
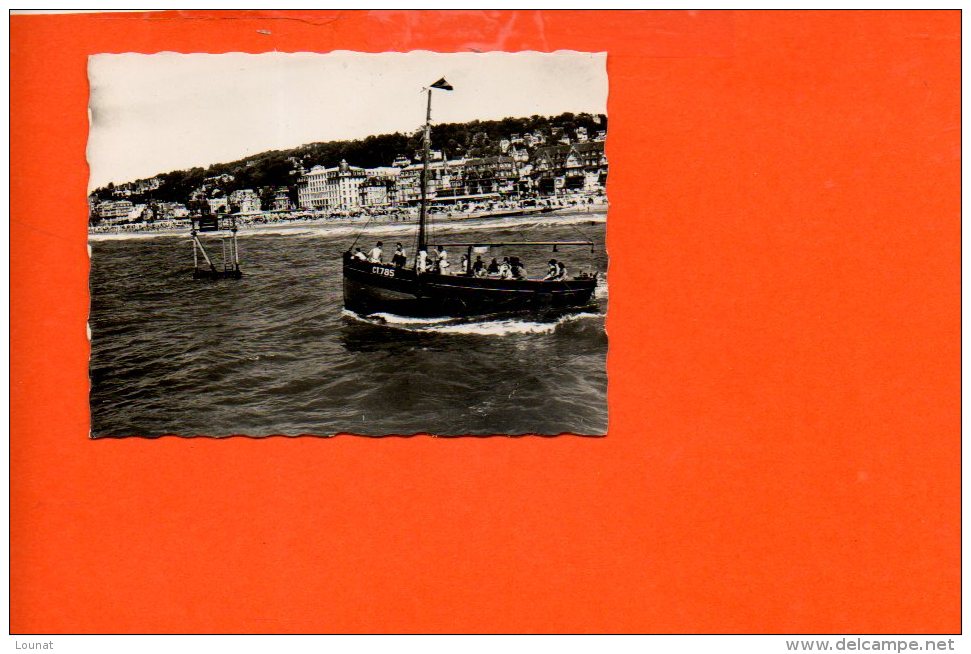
(380, 188)
(218, 204)
(171, 210)
(377, 192)
(565, 168)
(409, 182)
(281, 199)
(114, 209)
(245, 201)
(485, 175)
(122, 212)
(336, 189)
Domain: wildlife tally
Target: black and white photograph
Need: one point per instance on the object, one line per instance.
(385, 244)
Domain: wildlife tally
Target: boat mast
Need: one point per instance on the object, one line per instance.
(423, 212)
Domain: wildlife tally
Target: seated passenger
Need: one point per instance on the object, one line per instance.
(552, 271)
(505, 270)
(422, 266)
(398, 258)
(464, 265)
(359, 255)
(518, 269)
(493, 267)
(478, 268)
(561, 271)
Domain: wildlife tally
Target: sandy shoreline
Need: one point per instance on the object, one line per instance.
(323, 226)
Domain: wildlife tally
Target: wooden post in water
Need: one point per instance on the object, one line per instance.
(235, 247)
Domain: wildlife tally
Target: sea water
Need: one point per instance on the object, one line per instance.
(275, 353)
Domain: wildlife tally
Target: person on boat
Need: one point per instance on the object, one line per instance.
(493, 267)
(478, 268)
(443, 264)
(464, 265)
(422, 266)
(398, 258)
(359, 255)
(505, 270)
(552, 271)
(375, 255)
(560, 272)
(518, 268)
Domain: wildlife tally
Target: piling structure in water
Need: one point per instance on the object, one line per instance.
(211, 233)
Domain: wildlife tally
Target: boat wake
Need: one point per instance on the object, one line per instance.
(485, 326)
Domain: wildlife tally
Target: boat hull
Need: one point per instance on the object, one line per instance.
(375, 288)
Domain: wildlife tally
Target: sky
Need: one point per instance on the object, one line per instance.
(151, 114)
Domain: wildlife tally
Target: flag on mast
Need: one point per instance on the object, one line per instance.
(442, 84)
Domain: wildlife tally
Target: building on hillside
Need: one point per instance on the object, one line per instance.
(216, 180)
(519, 155)
(145, 185)
(433, 155)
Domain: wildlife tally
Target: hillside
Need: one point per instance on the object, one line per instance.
(279, 167)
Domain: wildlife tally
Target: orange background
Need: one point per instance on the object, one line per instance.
(783, 452)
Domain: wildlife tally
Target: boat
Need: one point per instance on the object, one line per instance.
(405, 290)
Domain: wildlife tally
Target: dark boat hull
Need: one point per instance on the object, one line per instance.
(375, 288)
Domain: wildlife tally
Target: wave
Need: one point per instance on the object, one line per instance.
(600, 290)
(131, 236)
(392, 319)
(464, 326)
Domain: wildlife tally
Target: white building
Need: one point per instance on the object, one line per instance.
(170, 210)
(281, 199)
(246, 200)
(335, 189)
(218, 205)
(115, 209)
